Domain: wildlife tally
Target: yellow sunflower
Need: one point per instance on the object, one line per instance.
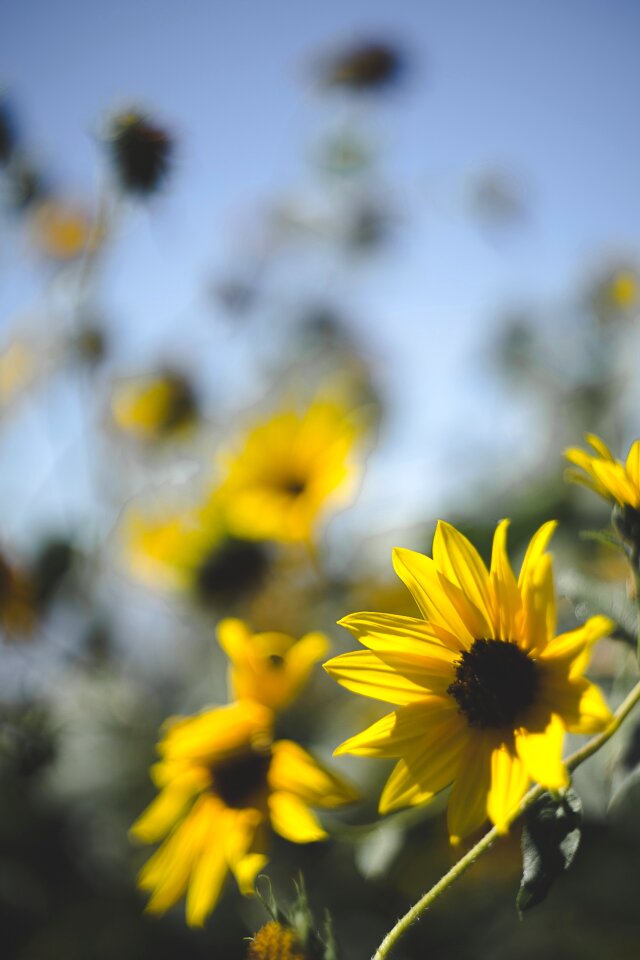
(192, 551)
(484, 689)
(223, 782)
(288, 470)
(606, 476)
(154, 407)
(271, 668)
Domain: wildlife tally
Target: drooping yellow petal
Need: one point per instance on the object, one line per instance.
(424, 771)
(541, 753)
(459, 561)
(574, 647)
(292, 819)
(207, 875)
(295, 771)
(244, 846)
(422, 578)
(505, 588)
(578, 702)
(365, 673)
(420, 724)
(615, 479)
(467, 808)
(509, 782)
(368, 626)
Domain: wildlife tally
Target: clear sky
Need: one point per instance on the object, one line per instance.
(544, 88)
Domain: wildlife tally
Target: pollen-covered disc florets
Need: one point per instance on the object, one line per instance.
(275, 941)
(495, 683)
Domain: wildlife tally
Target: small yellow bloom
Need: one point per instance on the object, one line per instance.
(191, 551)
(154, 407)
(223, 782)
(62, 230)
(484, 688)
(271, 668)
(275, 941)
(288, 470)
(606, 476)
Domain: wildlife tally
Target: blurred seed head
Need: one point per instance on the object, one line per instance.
(234, 569)
(90, 345)
(141, 151)
(8, 133)
(368, 65)
(50, 567)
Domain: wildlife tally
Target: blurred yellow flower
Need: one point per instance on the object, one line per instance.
(62, 230)
(483, 687)
(275, 941)
(289, 470)
(606, 476)
(154, 407)
(271, 668)
(19, 368)
(223, 782)
(623, 289)
(192, 551)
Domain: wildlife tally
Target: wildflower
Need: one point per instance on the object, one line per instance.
(192, 551)
(61, 230)
(610, 478)
(367, 65)
(270, 668)
(275, 941)
(288, 470)
(155, 407)
(141, 151)
(223, 782)
(484, 689)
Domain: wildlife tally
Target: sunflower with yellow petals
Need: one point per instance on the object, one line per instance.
(223, 781)
(483, 687)
(191, 551)
(288, 470)
(154, 407)
(610, 478)
(270, 668)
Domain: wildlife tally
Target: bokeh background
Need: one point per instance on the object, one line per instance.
(451, 242)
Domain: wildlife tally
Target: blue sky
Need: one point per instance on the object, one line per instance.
(545, 89)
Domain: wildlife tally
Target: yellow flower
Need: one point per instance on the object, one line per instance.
(271, 668)
(288, 470)
(154, 407)
(483, 687)
(222, 783)
(191, 550)
(602, 473)
(62, 230)
(275, 941)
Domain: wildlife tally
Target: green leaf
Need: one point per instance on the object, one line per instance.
(550, 840)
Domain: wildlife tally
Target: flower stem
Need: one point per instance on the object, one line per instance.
(463, 864)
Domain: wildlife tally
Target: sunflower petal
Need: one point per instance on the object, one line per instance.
(422, 578)
(365, 673)
(295, 771)
(459, 561)
(538, 606)
(509, 781)
(535, 550)
(425, 770)
(167, 808)
(292, 819)
(504, 585)
(574, 647)
(207, 877)
(541, 753)
(420, 723)
(632, 464)
(467, 808)
(578, 702)
(599, 446)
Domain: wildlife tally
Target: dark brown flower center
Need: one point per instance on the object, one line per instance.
(233, 568)
(239, 781)
(495, 683)
(294, 486)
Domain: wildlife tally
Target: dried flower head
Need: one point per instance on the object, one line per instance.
(141, 151)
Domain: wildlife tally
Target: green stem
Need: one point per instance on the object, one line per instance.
(463, 864)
